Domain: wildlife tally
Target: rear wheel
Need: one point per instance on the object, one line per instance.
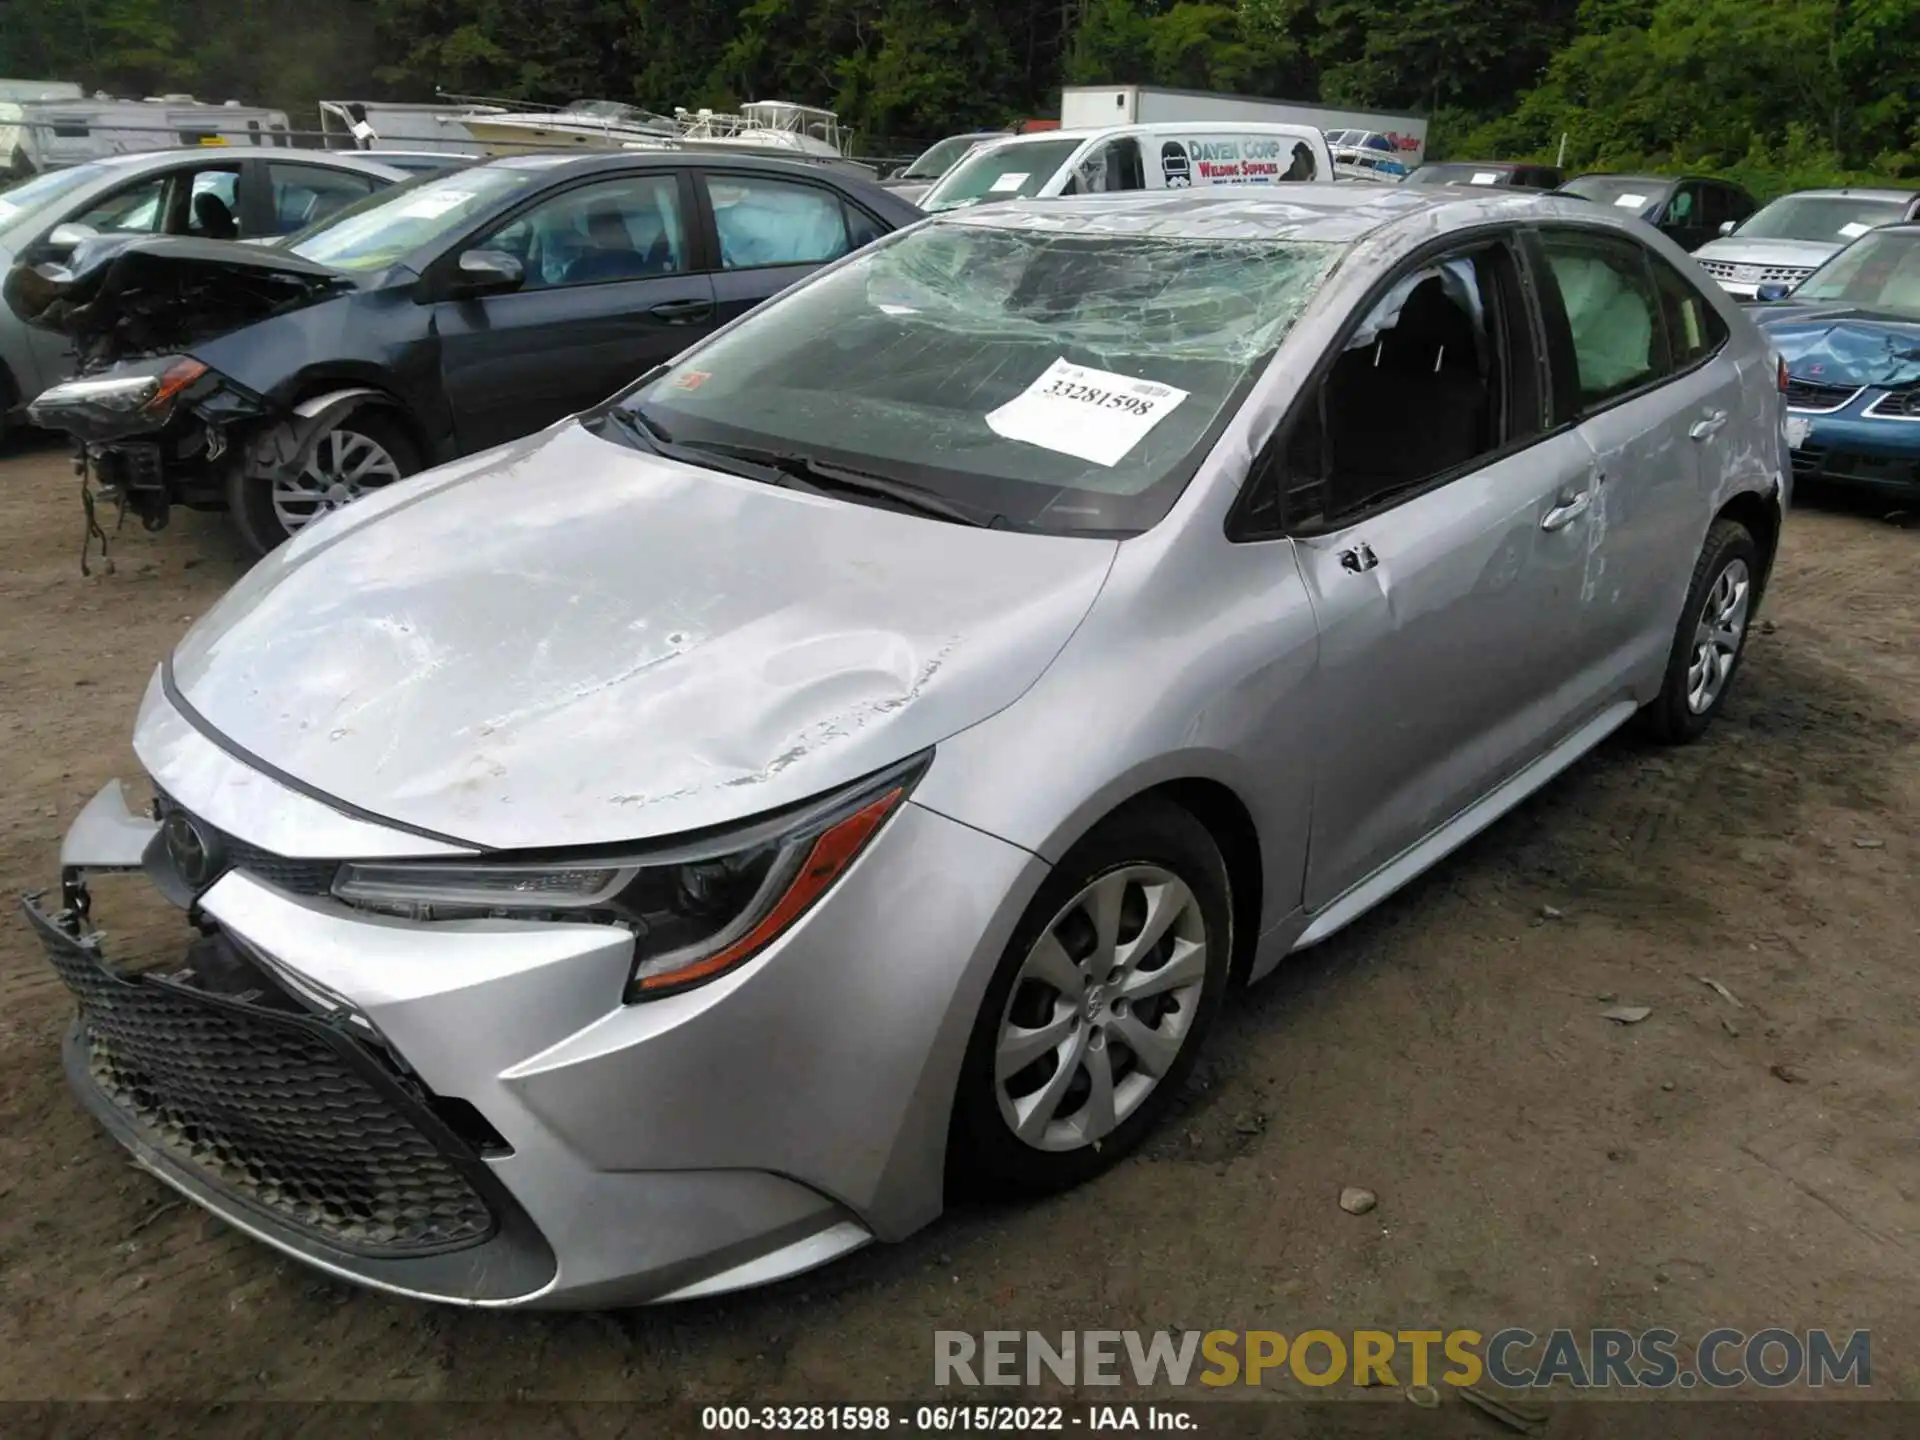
(1712, 636)
(366, 451)
(1099, 1006)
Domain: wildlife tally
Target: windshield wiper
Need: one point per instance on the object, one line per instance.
(793, 471)
(803, 472)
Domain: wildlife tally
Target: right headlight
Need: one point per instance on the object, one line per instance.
(696, 909)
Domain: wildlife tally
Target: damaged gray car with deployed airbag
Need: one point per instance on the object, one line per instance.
(887, 734)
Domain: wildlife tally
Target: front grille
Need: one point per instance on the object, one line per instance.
(1897, 405)
(296, 877)
(1755, 274)
(276, 1109)
(1818, 399)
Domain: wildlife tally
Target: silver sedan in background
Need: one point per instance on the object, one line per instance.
(881, 740)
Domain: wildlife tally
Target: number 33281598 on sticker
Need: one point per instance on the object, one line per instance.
(1095, 415)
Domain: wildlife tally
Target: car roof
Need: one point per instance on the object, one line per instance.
(1165, 127)
(160, 159)
(1855, 192)
(1330, 212)
(869, 192)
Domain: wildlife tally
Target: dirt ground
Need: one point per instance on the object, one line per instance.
(1718, 1164)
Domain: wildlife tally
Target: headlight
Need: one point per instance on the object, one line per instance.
(696, 908)
(143, 392)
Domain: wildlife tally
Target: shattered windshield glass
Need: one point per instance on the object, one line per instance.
(1063, 380)
(1879, 273)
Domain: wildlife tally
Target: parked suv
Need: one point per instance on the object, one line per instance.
(1787, 239)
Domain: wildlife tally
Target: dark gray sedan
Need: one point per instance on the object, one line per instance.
(214, 192)
(445, 317)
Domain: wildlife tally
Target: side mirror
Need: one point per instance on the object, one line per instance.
(1773, 290)
(1727, 227)
(70, 237)
(488, 272)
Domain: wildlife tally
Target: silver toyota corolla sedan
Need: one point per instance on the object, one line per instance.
(669, 851)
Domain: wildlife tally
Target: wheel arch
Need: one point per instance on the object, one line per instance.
(1760, 516)
(318, 386)
(1226, 818)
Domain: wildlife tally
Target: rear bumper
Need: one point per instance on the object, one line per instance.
(746, 1130)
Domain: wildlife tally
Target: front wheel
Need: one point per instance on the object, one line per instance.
(1098, 1008)
(367, 450)
(1711, 638)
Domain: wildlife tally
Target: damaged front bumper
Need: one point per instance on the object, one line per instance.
(466, 1111)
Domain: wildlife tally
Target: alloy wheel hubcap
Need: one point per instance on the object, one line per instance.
(344, 466)
(1717, 637)
(1101, 1008)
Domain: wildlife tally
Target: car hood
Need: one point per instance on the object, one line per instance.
(1836, 345)
(1733, 250)
(568, 642)
(115, 298)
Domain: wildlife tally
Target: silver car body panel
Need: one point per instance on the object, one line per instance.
(452, 679)
(418, 660)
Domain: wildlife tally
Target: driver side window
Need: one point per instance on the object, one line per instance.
(1437, 377)
(625, 229)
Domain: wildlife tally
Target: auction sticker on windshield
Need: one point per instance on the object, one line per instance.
(432, 206)
(1091, 414)
(1011, 181)
(1631, 202)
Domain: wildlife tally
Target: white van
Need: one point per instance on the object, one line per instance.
(1170, 156)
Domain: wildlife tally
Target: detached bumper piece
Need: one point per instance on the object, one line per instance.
(287, 1124)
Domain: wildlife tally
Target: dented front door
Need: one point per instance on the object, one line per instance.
(1451, 651)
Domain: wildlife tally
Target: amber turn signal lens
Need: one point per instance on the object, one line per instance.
(178, 377)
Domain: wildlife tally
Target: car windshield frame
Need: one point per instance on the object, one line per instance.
(1842, 274)
(928, 358)
(1798, 211)
(959, 146)
(23, 204)
(1609, 189)
(426, 211)
(990, 165)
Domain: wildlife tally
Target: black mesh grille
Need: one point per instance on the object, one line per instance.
(298, 877)
(276, 1110)
(1810, 395)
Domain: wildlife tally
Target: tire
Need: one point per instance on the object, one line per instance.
(1724, 584)
(267, 515)
(1133, 855)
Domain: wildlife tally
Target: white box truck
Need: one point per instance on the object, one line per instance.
(1087, 107)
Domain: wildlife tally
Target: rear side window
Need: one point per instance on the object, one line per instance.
(1606, 296)
(761, 221)
(1694, 328)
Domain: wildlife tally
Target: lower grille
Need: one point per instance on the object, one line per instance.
(275, 1109)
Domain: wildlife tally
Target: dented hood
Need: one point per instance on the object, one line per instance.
(569, 642)
(119, 297)
(1844, 345)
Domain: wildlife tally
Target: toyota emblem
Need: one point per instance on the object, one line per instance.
(189, 850)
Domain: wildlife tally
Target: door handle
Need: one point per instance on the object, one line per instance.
(1359, 559)
(682, 312)
(1567, 510)
(1709, 427)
